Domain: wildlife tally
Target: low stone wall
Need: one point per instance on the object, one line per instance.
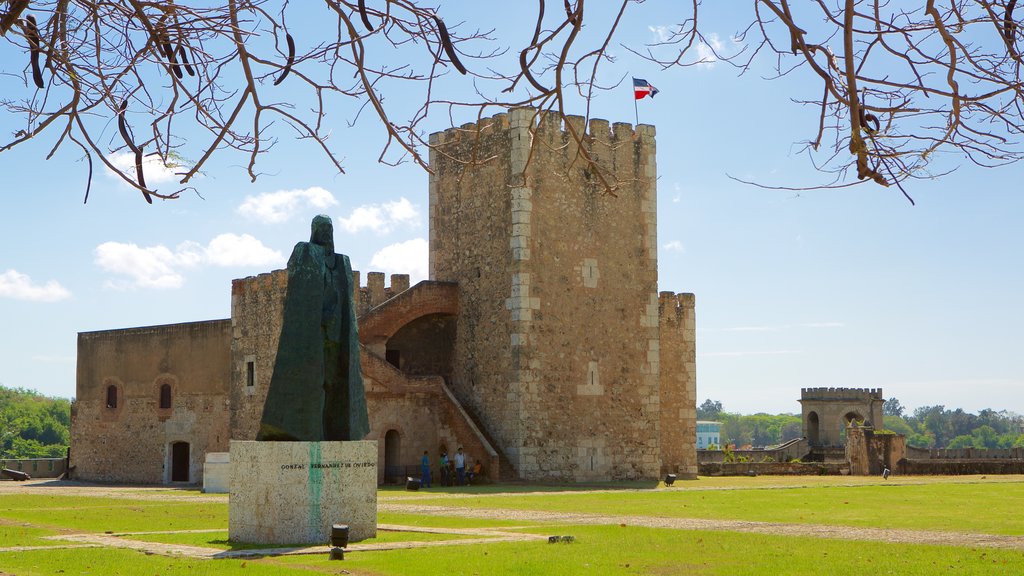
(37, 467)
(962, 466)
(787, 452)
(914, 453)
(773, 469)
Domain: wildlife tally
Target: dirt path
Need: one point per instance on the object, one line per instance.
(124, 540)
(773, 528)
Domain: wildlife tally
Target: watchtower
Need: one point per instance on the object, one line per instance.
(559, 340)
(828, 411)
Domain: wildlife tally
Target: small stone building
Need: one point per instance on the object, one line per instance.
(828, 411)
(540, 344)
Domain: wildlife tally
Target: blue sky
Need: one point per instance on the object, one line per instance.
(851, 287)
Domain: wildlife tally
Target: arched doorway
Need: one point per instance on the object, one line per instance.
(813, 429)
(849, 418)
(393, 471)
(179, 462)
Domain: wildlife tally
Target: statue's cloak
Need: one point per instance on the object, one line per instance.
(316, 391)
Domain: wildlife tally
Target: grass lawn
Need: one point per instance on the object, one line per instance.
(92, 514)
(965, 504)
(922, 506)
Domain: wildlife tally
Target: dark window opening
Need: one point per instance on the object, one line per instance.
(250, 373)
(394, 357)
(111, 396)
(393, 470)
(165, 396)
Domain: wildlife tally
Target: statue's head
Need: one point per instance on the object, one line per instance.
(323, 232)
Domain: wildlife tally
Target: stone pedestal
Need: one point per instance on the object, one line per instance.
(292, 492)
(216, 473)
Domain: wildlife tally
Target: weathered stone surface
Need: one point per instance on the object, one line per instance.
(133, 441)
(292, 492)
(316, 390)
(217, 473)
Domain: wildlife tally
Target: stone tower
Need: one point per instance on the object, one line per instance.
(558, 347)
(828, 411)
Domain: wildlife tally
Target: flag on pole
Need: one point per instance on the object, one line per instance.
(643, 88)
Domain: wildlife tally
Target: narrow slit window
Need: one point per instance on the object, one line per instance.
(111, 396)
(250, 373)
(165, 396)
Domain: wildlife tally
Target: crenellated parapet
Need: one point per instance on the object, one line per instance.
(675, 310)
(375, 293)
(841, 394)
(620, 149)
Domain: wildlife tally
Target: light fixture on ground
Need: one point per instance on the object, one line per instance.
(339, 540)
(670, 479)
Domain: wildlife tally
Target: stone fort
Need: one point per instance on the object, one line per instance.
(540, 343)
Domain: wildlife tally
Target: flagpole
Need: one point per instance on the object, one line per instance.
(636, 110)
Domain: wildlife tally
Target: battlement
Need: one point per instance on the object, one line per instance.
(547, 127)
(674, 309)
(841, 394)
(273, 280)
(374, 292)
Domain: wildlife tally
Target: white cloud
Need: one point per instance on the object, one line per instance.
(244, 250)
(706, 51)
(18, 286)
(403, 258)
(161, 268)
(153, 168)
(150, 267)
(673, 246)
(660, 33)
(275, 207)
(380, 218)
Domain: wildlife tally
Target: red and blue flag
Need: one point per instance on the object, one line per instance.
(643, 88)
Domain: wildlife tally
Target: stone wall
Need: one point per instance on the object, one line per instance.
(792, 450)
(36, 467)
(773, 468)
(959, 467)
(678, 376)
(131, 440)
(964, 453)
(870, 453)
(557, 347)
(413, 407)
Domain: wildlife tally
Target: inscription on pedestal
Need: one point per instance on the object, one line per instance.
(292, 492)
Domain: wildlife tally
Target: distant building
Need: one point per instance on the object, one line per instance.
(708, 433)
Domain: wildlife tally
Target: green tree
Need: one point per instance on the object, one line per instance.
(892, 407)
(709, 410)
(32, 425)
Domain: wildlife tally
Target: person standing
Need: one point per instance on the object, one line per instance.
(425, 470)
(443, 465)
(460, 467)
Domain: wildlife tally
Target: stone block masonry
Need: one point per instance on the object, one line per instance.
(559, 342)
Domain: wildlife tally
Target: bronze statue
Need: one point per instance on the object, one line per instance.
(316, 392)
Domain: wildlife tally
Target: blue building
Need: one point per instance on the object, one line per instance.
(708, 433)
